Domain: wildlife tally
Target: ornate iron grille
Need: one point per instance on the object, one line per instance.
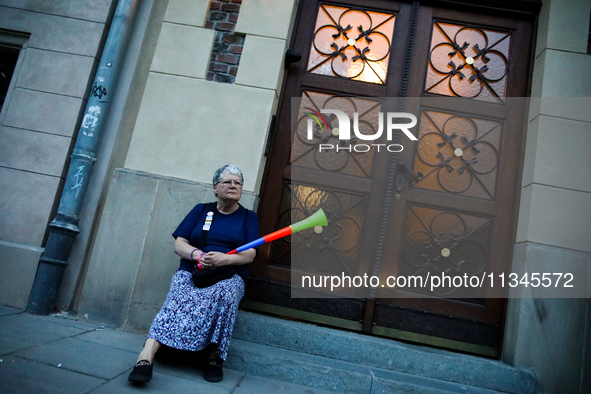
(468, 61)
(344, 160)
(458, 154)
(447, 242)
(352, 44)
(337, 244)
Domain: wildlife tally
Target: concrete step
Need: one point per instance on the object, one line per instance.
(333, 375)
(343, 361)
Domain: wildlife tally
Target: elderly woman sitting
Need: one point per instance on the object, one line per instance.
(195, 318)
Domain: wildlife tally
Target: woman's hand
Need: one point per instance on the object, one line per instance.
(214, 259)
(218, 259)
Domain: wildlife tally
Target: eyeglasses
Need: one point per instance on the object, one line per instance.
(229, 183)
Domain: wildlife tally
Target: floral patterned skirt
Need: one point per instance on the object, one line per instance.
(192, 318)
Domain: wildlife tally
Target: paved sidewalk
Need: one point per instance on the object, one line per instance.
(57, 354)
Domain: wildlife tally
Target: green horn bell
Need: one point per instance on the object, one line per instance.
(317, 219)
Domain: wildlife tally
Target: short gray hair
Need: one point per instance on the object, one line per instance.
(232, 169)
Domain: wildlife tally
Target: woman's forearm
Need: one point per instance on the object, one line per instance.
(244, 257)
(185, 250)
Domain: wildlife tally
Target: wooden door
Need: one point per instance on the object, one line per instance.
(446, 203)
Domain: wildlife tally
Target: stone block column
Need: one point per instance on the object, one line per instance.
(553, 335)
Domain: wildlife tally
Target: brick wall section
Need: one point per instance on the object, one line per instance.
(227, 47)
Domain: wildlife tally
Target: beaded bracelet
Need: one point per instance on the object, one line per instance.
(193, 251)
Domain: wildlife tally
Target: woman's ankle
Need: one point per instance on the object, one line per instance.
(149, 351)
(213, 354)
(143, 357)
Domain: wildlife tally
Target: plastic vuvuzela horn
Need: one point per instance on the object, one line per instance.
(317, 219)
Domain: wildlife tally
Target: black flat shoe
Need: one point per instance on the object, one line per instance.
(142, 372)
(213, 371)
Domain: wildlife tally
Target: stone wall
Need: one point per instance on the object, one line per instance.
(187, 126)
(553, 336)
(59, 43)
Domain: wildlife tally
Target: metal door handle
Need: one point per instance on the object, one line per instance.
(401, 176)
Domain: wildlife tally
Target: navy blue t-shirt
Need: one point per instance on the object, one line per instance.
(227, 232)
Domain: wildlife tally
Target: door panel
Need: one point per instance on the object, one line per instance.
(445, 204)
